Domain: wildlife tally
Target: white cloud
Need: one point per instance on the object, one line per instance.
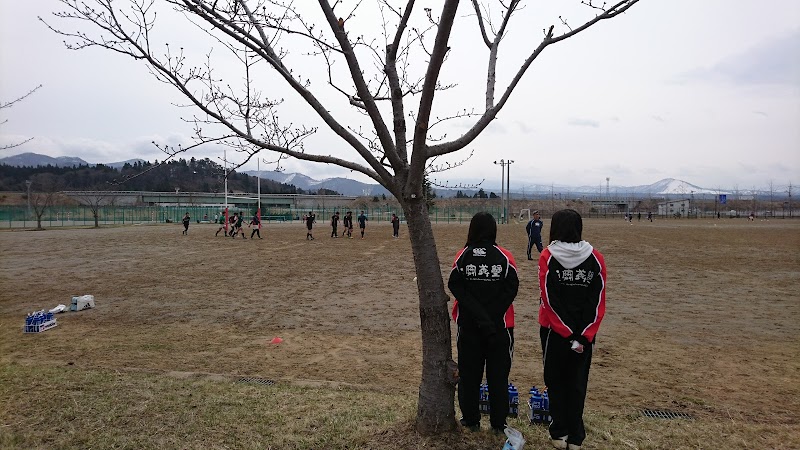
(583, 123)
(774, 61)
(595, 99)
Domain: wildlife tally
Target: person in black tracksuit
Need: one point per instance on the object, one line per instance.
(572, 283)
(484, 282)
(335, 225)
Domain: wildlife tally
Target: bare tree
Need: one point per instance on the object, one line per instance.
(41, 199)
(387, 80)
(95, 200)
(9, 104)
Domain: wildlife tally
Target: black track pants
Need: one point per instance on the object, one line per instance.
(474, 353)
(531, 243)
(566, 374)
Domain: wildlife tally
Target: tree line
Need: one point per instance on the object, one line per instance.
(194, 175)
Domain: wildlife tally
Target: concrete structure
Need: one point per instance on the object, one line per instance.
(678, 208)
(613, 206)
(212, 199)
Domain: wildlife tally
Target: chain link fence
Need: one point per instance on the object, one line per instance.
(12, 217)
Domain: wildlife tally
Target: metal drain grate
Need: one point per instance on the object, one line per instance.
(256, 381)
(661, 414)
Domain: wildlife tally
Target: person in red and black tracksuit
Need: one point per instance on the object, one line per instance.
(484, 283)
(572, 283)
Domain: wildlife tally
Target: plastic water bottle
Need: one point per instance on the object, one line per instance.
(536, 406)
(481, 397)
(513, 400)
(484, 402)
(546, 406)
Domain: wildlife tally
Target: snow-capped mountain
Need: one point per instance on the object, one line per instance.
(670, 186)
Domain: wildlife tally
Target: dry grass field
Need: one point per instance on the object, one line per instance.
(703, 317)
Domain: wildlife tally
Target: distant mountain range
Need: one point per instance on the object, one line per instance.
(345, 186)
(35, 159)
(668, 186)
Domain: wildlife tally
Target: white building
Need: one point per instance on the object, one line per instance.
(679, 208)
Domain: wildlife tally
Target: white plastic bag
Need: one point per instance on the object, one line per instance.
(515, 440)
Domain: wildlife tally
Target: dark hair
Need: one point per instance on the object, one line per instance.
(482, 228)
(566, 226)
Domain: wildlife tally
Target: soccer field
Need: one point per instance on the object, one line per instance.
(703, 316)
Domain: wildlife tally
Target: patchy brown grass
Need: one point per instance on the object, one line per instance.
(702, 318)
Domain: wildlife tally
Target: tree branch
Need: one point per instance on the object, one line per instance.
(413, 187)
(363, 91)
(491, 112)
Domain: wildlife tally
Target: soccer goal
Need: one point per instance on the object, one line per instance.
(524, 216)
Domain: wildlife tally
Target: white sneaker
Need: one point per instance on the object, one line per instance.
(560, 443)
(575, 446)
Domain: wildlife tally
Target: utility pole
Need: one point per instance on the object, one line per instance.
(790, 199)
(508, 188)
(502, 164)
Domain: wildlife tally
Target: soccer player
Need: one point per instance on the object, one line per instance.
(395, 226)
(534, 229)
(348, 224)
(572, 287)
(362, 223)
(310, 219)
(186, 220)
(222, 225)
(237, 225)
(255, 222)
(335, 224)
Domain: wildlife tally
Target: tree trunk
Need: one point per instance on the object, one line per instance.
(435, 409)
(96, 221)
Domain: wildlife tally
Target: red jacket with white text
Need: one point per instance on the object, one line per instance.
(572, 283)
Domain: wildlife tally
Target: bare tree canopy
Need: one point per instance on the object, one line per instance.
(368, 72)
(9, 104)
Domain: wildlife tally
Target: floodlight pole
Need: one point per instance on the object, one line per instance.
(508, 188)
(258, 210)
(502, 184)
(225, 185)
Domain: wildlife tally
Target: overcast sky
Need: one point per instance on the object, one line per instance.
(705, 91)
